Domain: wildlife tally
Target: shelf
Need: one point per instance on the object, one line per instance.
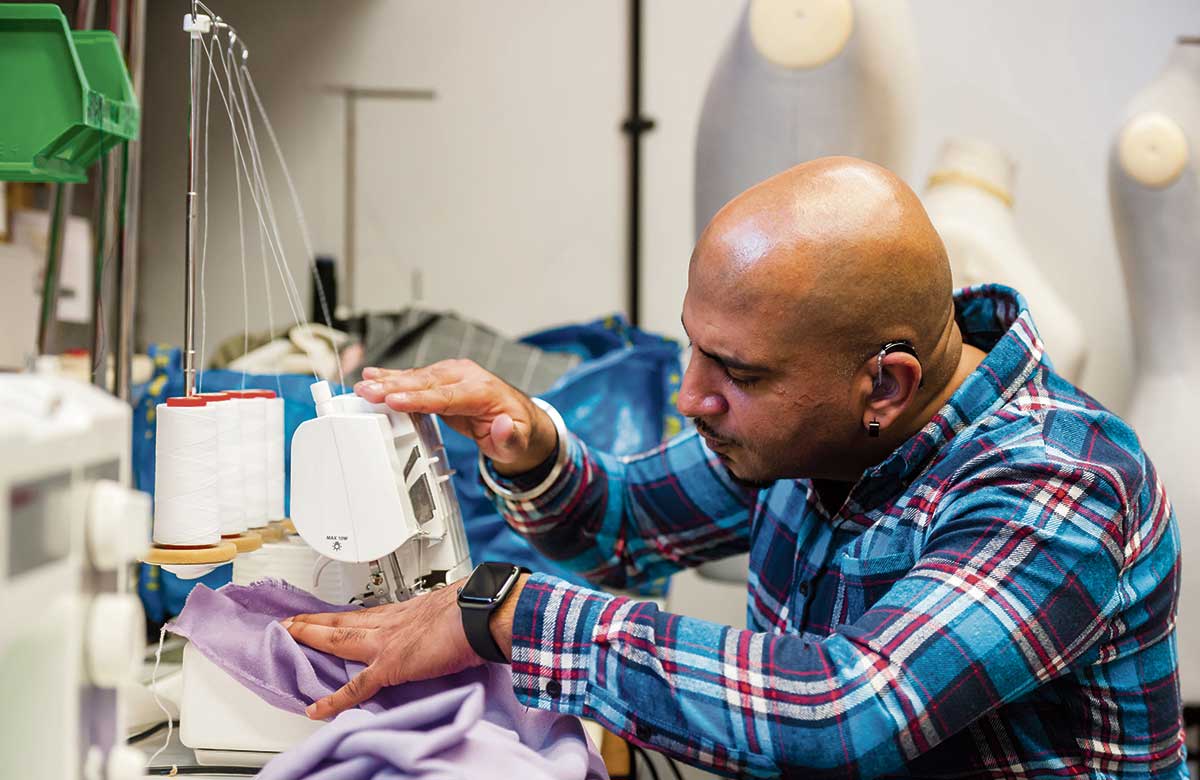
(65, 97)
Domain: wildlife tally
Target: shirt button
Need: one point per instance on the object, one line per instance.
(803, 589)
(643, 732)
(554, 689)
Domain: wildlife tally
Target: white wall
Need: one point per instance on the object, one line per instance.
(507, 192)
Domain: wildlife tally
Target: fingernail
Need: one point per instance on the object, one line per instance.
(285, 622)
(372, 387)
(396, 398)
(370, 372)
(309, 710)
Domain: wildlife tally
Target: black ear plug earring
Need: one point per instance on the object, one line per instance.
(873, 429)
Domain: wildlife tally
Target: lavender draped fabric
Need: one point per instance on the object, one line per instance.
(467, 724)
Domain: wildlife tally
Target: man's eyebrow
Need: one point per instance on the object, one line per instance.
(727, 361)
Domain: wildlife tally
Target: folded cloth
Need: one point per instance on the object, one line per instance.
(468, 724)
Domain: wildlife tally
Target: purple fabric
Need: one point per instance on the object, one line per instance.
(468, 724)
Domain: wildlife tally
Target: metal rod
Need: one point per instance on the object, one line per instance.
(189, 233)
(127, 236)
(98, 353)
(350, 206)
(111, 213)
(62, 198)
(635, 125)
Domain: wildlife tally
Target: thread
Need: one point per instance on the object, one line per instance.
(185, 475)
(230, 490)
(275, 459)
(162, 637)
(252, 416)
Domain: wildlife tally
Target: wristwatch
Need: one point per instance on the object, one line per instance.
(484, 590)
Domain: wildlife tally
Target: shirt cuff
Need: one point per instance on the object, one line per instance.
(552, 644)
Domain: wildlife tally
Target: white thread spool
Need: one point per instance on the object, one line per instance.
(185, 474)
(275, 434)
(230, 491)
(252, 416)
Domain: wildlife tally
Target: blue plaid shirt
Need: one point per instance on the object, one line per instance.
(995, 599)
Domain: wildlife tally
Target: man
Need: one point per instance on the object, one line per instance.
(960, 564)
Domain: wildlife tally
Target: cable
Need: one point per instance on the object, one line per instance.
(145, 733)
(673, 767)
(198, 769)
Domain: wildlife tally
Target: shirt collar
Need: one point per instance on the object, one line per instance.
(995, 319)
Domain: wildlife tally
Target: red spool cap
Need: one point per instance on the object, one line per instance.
(251, 393)
(221, 396)
(187, 400)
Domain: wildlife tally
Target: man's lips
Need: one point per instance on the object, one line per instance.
(716, 445)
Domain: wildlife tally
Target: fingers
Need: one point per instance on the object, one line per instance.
(460, 399)
(374, 390)
(377, 382)
(359, 618)
(360, 688)
(355, 644)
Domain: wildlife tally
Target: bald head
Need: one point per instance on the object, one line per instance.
(836, 250)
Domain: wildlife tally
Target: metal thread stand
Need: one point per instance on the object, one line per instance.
(127, 230)
(189, 231)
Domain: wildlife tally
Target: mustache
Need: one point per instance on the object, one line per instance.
(707, 430)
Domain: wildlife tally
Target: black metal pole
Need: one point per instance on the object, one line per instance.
(635, 125)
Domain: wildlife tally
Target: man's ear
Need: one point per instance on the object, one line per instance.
(894, 384)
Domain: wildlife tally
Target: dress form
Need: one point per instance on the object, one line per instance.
(1154, 192)
(969, 199)
(802, 79)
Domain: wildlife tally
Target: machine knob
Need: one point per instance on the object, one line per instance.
(118, 524)
(116, 633)
(125, 763)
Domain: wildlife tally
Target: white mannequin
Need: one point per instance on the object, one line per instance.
(1154, 190)
(803, 79)
(969, 199)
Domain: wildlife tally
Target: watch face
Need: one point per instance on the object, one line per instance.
(488, 582)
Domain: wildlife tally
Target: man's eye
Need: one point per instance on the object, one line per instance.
(742, 381)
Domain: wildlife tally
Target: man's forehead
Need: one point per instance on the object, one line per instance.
(725, 327)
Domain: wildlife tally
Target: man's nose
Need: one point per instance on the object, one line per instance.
(697, 398)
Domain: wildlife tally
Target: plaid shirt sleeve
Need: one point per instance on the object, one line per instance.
(624, 521)
(1013, 584)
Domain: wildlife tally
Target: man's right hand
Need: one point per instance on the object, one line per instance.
(505, 424)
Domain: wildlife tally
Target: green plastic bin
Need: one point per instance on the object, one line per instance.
(65, 97)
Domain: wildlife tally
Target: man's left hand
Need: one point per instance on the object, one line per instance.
(413, 640)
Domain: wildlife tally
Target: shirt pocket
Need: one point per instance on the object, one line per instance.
(864, 581)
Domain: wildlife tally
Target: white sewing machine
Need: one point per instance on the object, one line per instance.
(69, 528)
(369, 486)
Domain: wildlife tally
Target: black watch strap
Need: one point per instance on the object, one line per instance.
(476, 615)
(479, 634)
